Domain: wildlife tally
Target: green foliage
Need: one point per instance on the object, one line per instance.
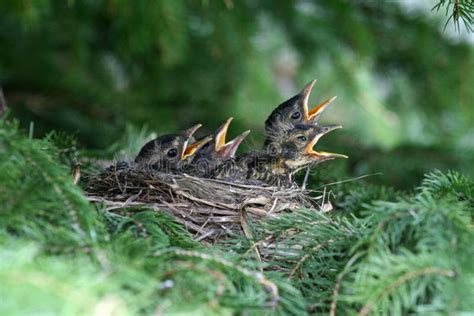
(154, 230)
(402, 85)
(409, 254)
(460, 10)
(127, 147)
(440, 184)
(312, 249)
(381, 251)
(103, 69)
(39, 200)
(66, 257)
(421, 245)
(33, 283)
(353, 199)
(66, 147)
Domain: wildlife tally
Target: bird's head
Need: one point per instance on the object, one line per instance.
(295, 111)
(187, 150)
(167, 151)
(217, 148)
(298, 150)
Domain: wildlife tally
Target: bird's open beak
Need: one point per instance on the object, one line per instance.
(191, 149)
(305, 96)
(190, 131)
(229, 149)
(318, 109)
(221, 134)
(322, 154)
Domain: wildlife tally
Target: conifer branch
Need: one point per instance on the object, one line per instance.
(337, 286)
(405, 278)
(269, 286)
(458, 10)
(306, 256)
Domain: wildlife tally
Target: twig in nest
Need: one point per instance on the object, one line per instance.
(352, 179)
(305, 180)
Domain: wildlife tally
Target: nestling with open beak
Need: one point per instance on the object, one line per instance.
(214, 152)
(170, 152)
(290, 113)
(296, 153)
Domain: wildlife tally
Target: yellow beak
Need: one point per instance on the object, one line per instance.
(305, 94)
(221, 134)
(318, 109)
(309, 150)
(229, 149)
(189, 150)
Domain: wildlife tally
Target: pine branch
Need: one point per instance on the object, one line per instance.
(40, 199)
(259, 278)
(450, 183)
(458, 10)
(403, 279)
(382, 260)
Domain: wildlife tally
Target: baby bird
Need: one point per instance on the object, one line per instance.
(290, 113)
(170, 152)
(214, 152)
(297, 152)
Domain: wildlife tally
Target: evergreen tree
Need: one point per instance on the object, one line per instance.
(91, 80)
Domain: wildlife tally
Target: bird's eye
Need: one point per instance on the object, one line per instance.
(295, 115)
(302, 138)
(205, 146)
(172, 152)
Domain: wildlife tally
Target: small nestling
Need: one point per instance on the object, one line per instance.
(292, 112)
(170, 152)
(296, 153)
(214, 152)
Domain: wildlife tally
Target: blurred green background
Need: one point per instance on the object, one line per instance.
(114, 71)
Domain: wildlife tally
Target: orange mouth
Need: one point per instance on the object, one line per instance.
(309, 150)
(189, 150)
(229, 149)
(318, 109)
(221, 134)
(223, 149)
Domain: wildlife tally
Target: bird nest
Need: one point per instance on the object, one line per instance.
(209, 209)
